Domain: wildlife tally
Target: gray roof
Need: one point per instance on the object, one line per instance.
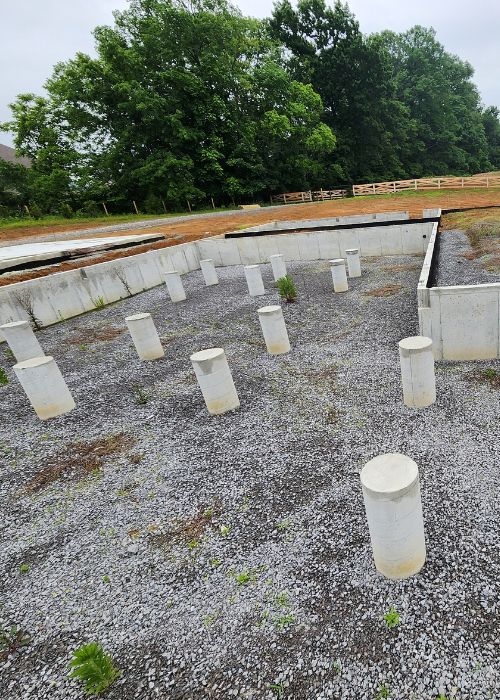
(7, 153)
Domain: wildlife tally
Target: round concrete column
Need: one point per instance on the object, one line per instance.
(353, 262)
(274, 329)
(215, 380)
(339, 275)
(175, 286)
(279, 266)
(44, 386)
(21, 340)
(209, 272)
(391, 493)
(254, 280)
(145, 336)
(417, 371)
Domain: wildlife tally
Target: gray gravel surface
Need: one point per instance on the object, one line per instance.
(229, 556)
(454, 269)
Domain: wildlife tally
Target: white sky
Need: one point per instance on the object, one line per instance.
(36, 34)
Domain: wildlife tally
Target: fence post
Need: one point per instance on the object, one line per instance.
(394, 186)
(462, 182)
(106, 211)
(439, 183)
(135, 206)
(487, 182)
(373, 188)
(416, 186)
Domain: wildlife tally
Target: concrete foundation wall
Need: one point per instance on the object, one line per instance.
(332, 221)
(65, 294)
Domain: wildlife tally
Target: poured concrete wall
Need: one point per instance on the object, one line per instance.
(65, 294)
(331, 221)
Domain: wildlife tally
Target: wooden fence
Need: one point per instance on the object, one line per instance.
(309, 196)
(428, 183)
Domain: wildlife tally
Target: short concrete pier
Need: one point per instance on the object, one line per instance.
(44, 386)
(215, 380)
(21, 340)
(274, 329)
(417, 371)
(391, 492)
(209, 272)
(339, 275)
(254, 280)
(353, 262)
(145, 336)
(279, 266)
(175, 286)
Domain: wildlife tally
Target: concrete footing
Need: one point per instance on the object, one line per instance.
(145, 336)
(391, 492)
(279, 266)
(254, 280)
(44, 386)
(215, 380)
(353, 262)
(339, 275)
(21, 340)
(175, 286)
(417, 371)
(274, 329)
(209, 272)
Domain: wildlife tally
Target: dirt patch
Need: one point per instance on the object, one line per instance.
(387, 291)
(78, 459)
(488, 376)
(88, 336)
(187, 532)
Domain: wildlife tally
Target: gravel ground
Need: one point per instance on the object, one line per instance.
(454, 269)
(219, 557)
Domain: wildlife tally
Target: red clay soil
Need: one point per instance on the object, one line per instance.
(191, 230)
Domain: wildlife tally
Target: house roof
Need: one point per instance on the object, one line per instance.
(7, 153)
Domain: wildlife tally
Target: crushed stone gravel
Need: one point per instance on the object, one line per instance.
(229, 556)
(454, 269)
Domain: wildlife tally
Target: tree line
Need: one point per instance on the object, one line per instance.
(188, 100)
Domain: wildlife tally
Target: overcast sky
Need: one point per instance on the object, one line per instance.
(38, 33)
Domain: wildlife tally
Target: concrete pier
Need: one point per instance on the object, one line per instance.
(215, 380)
(209, 272)
(274, 329)
(417, 371)
(391, 492)
(279, 266)
(175, 286)
(21, 340)
(44, 386)
(353, 262)
(339, 275)
(254, 280)
(145, 336)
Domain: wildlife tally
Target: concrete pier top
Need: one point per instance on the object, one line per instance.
(15, 324)
(337, 261)
(352, 251)
(415, 344)
(34, 362)
(391, 474)
(204, 355)
(269, 309)
(137, 317)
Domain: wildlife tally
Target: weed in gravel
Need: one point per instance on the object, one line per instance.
(485, 376)
(186, 532)
(383, 692)
(91, 665)
(224, 530)
(193, 544)
(106, 579)
(208, 620)
(93, 335)
(3, 377)
(215, 563)
(244, 577)
(278, 688)
(336, 667)
(388, 290)
(284, 524)
(98, 302)
(9, 355)
(284, 621)
(78, 459)
(24, 568)
(287, 289)
(141, 397)
(283, 600)
(12, 640)
(392, 618)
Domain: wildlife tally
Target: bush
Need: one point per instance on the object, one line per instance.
(287, 289)
(90, 208)
(94, 668)
(35, 211)
(66, 211)
(153, 205)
